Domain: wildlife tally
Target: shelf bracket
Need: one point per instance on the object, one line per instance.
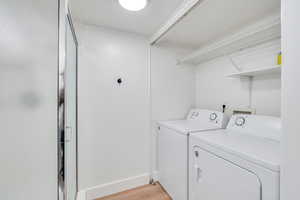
(238, 68)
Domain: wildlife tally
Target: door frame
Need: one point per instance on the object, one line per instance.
(64, 19)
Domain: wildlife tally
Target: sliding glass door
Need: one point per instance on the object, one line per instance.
(70, 146)
(67, 137)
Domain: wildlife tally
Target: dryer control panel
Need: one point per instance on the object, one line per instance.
(256, 125)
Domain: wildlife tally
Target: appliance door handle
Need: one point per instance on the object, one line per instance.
(198, 174)
(68, 134)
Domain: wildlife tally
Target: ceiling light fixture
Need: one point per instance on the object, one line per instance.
(133, 5)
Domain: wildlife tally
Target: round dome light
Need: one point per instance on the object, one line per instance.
(133, 5)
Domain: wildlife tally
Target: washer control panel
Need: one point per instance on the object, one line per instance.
(208, 117)
(213, 116)
(193, 114)
(199, 114)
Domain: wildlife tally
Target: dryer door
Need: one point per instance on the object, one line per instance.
(214, 178)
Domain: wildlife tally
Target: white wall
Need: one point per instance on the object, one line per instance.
(214, 89)
(113, 119)
(290, 174)
(28, 99)
(172, 86)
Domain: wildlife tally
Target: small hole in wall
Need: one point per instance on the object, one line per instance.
(119, 81)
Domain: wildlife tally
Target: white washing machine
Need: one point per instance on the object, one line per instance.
(173, 148)
(239, 162)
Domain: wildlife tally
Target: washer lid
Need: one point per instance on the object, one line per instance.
(189, 126)
(261, 151)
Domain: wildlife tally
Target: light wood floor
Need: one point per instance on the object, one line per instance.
(147, 192)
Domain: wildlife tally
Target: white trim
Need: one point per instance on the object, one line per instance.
(155, 176)
(151, 147)
(258, 33)
(186, 7)
(81, 195)
(113, 187)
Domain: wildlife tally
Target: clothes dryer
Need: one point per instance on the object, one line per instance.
(240, 162)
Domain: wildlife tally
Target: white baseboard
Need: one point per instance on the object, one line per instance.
(113, 187)
(155, 176)
(81, 195)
